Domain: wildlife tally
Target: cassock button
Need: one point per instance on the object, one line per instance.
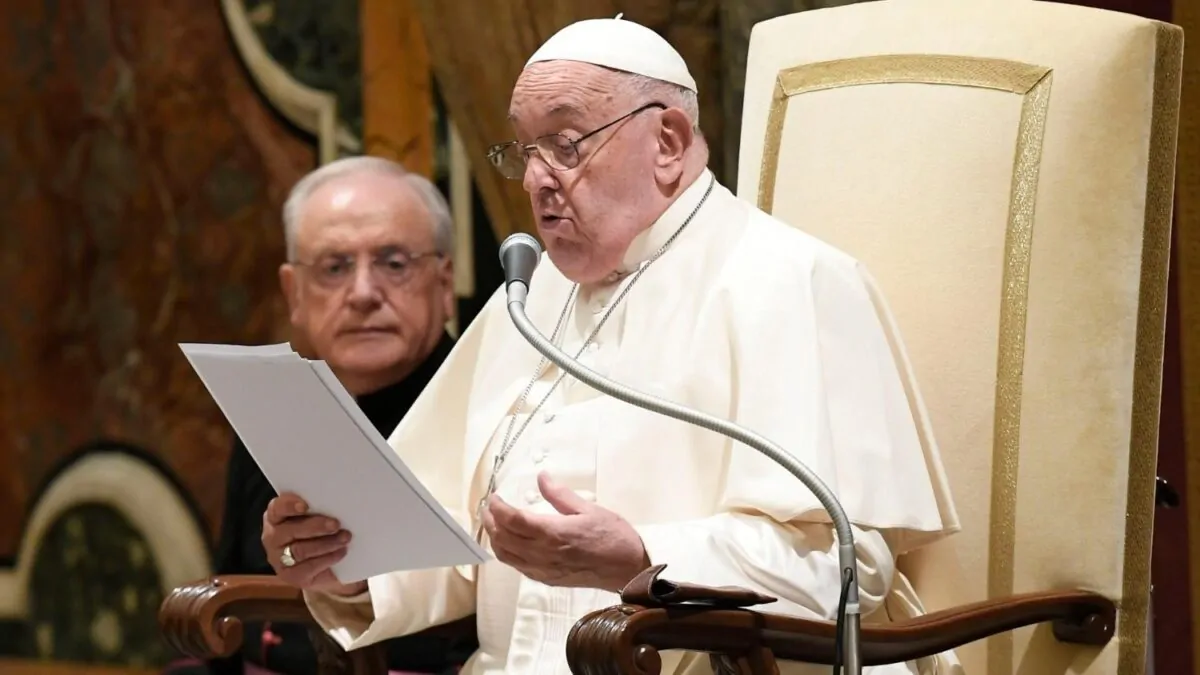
(533, 497)
(548, 417)
(539, 455)
(593, 348)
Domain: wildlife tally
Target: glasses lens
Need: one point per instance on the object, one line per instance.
(507, 160)
(557, 151)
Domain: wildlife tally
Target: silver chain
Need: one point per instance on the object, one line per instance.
(509, 440)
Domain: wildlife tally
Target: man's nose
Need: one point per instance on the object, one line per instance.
(538, 175)
(363, 287)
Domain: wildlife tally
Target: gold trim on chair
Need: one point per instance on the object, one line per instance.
(1132, 620)
(1033, 84)
(1186, 14)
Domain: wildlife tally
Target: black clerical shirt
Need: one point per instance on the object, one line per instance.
(240, 551)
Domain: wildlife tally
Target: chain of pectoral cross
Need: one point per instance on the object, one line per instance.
(509, 440)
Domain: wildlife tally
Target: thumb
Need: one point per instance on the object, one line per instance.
(563, 499)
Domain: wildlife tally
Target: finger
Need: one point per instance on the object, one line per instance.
(562, 498)
(502, 541)
(518, 549)
(489, 523)
(310, 549)
(285, 506)
(538, 570)
(513, 556)
(502, 538)
(315, 572)
(322, 565)
(515, 521)
(307, 527)
(295, 530)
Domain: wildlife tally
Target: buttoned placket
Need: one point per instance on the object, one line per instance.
(533, 450)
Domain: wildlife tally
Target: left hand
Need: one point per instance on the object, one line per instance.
(583, 545)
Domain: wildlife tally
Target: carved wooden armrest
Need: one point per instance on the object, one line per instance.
(658, 614)
(204, 619)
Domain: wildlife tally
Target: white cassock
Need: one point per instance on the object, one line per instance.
(743, 317)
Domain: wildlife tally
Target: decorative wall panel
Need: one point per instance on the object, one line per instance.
(144, 176)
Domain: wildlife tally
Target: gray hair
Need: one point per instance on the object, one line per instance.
(435, 203)
(666, 92)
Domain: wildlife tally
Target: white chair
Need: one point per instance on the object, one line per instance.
(1005, 170)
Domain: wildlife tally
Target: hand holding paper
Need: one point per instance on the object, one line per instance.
(311, 543)
(311, 440)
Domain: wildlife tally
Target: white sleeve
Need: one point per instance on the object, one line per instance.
(397, 604)
(797, 563)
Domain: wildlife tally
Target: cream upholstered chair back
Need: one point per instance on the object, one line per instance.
(1004, 170)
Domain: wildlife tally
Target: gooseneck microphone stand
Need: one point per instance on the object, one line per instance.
(519, 255)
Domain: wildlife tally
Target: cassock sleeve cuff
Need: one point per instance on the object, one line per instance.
(358, 598)
(682, 547)
(344, 617)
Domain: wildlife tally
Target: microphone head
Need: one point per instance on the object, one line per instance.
(519, 239)
(519, 255)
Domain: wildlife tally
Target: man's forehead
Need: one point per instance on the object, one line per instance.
(351, 230)
(352, 213)
(561, 90)
(559, 108)
(363, 195)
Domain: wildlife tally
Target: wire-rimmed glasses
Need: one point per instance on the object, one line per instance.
(556, 150)
(390, 266)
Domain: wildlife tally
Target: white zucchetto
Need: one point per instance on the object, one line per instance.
(620, 45)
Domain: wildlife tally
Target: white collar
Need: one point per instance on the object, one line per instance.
(650, 240)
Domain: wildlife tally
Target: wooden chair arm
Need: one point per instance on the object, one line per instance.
(627, 638)
(204, 619)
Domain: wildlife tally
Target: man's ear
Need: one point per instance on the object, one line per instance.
(291, 290)
(674, 139)
(450, 302)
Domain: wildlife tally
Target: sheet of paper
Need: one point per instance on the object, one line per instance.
(309, 437)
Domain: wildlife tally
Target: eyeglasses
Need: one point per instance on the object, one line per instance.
(556, 150)
(391, 267)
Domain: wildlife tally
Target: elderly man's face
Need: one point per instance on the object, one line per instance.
(368, 290)
(588, 215)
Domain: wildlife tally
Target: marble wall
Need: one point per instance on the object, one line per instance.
(143, 175)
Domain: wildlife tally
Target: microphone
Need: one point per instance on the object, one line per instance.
(519, 255)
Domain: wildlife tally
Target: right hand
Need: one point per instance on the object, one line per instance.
(317, 542)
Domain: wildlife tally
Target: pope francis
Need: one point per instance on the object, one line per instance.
(660, 278)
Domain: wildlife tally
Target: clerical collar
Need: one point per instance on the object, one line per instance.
(387, 406)
(646, 244)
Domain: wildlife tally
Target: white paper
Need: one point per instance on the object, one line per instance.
(309, 437)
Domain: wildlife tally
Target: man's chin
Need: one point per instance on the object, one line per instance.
(368, 352)
(368, 335)
(568, 262)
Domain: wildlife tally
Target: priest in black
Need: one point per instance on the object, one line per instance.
(285, 648)
(369, 283)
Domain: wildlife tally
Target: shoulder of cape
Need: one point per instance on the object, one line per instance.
(772, 245)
